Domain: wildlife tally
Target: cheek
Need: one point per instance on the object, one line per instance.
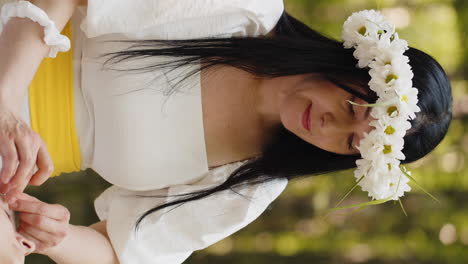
(290, 111)
(317, 140)
(8, 251)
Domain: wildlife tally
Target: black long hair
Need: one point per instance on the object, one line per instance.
(293, 49)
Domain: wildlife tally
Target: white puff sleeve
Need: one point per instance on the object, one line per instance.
(169, 236)
(181, 19)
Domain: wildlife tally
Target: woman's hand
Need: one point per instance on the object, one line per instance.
(19, 143)
(47, 225)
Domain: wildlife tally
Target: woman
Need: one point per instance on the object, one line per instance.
(259, 111)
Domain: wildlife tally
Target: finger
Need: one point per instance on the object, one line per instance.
(23, 196)
(14, 195)
(19, 190)
(50, 226)
(9, 159)
(54, 211)
(42, 236)
(27, 158)
(45, 166)
(7, 188)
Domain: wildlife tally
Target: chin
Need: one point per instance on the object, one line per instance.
(288, 126)
(288, 117)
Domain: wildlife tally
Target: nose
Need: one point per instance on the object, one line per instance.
(331, 122)
(332, 125)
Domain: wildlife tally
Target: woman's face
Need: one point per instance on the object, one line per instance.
(316, 110)
(13, 246)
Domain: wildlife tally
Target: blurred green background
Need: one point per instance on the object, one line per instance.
(293, 230)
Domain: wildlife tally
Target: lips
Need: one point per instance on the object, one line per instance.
(306, 118)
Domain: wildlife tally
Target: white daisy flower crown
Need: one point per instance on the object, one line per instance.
(378, 47)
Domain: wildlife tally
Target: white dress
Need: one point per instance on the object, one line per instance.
(148, 144)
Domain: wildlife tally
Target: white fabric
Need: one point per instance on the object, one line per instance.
(138, 129)
(84, 116)
(140, 132)
(181, 19)
(140, 153)
(144, 142)
(170, 236)
(25, 9)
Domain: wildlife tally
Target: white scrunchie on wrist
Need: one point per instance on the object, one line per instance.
(25, 9)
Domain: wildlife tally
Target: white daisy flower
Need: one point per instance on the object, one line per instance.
(377, 183)
(397, 43)
(389, 107)
(391, 127)
(370, 145)
(389, 60)
(392, 149)
(363, 168)
(359, 25)
(383, 183)
(364, 53)
(379, 75)
(409, 100)
(389, 77)
(401, 181)
(378, 47)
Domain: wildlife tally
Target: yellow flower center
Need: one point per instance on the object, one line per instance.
(362, 30)
(391, 184)
(391, 77)
(389, 130)
(404, 98)
(387, 149)
(391, 110)
(389, 165)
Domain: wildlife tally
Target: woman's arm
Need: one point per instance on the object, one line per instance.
(84, 245)
(47, 226)
(22, 49)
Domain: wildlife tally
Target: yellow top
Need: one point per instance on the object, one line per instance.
(52, 110)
